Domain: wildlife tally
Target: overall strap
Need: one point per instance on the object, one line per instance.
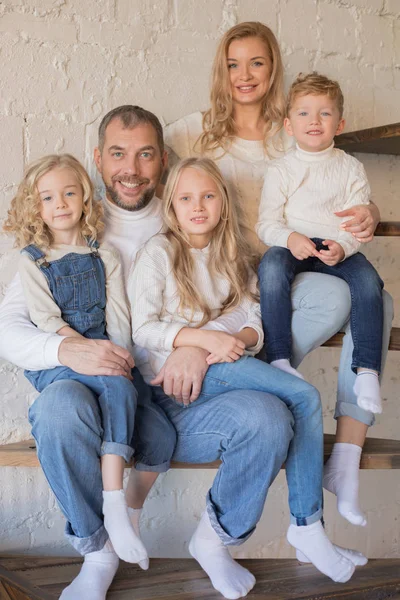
(36, 255)
(93, 245)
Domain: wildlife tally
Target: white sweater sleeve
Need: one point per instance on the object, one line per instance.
(146, 285)
(357, 192)
(271, 227)
(118, 323)
(43, 310)
(21, 343)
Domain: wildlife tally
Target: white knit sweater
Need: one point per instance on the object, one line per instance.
(154, 299)
(243, 167)
(302, 191)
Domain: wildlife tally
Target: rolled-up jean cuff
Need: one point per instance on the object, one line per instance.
(225, 538)
(93, 543)
(142, 466)
(348, 409)
(122, 450)
(302, 521)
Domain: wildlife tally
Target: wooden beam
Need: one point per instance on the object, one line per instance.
(377, 454)
(337, 340)
(376, 140)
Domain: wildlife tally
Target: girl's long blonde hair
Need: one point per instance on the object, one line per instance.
(230, 256)
(24, 219)
(218, 122)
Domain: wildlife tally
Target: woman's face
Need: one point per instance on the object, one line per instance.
(250, 70)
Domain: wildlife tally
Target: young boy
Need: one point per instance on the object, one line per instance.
(302, 191)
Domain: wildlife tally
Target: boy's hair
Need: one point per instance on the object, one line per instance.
(316, 85)
(24, 219)
(131, 116)
(230, 255)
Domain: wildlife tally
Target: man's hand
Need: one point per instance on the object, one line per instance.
(95, 357)
(183, 373)
(363, 222)
(301, 246)
(332, 256)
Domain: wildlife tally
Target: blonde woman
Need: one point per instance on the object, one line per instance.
(73, 287)
(241, 131)
(183, 281)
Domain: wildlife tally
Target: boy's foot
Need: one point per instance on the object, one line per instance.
(227, 576)
(368, 391)
(127, 544)
(357, 558)
(95, 576)
(284, 365)
(313, 542)
(341, 473)
(134, 516)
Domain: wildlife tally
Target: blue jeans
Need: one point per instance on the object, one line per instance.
(321, 307)
(304, 461)
(68, 428)
(250, 432)
(277, 271)
(117, 398)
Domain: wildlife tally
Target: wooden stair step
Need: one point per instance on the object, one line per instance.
(182, 579)
(337, 339)
(376, 140)
(377, 454)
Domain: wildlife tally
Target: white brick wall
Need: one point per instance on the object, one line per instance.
(64, 64)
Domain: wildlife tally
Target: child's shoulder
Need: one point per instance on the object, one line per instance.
(283, 163)
(157, 248)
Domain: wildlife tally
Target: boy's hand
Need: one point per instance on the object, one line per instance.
(223, 347)
(301, 246)
(332, 256)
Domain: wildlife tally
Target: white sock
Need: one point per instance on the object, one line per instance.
(134, 516)
(357, 558)
(126, 543)
(95, 576)
(313, 542)
(227, 576)
(341, 474)
(284, 365)
(368, 391)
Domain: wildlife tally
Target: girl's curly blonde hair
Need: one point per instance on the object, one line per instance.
(24, 219)
(230, 255)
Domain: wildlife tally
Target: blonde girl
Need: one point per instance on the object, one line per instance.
(242, 130)
(186, 290)
(73, 286)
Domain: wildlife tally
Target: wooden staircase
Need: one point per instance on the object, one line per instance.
(35, 578)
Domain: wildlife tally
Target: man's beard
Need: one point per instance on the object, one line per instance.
(143, 201)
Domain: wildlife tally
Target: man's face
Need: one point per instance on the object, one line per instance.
(130, 164)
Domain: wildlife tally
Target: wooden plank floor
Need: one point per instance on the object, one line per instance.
(182, 579)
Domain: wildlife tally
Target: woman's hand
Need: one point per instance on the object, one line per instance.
(363, 222)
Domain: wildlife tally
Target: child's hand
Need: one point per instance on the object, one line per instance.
(223, 347)
(301, 246)
(332, 256)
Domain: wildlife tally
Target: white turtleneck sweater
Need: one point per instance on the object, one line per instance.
(21, 342)
(303, 190)
(154, 298)
(243, 166)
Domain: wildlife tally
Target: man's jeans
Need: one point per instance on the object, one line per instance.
(277, 271)
(304, 461)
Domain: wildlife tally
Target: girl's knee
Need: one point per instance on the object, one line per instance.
(271, 421)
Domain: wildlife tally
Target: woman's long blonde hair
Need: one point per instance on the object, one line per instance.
(230, 256)
(218, 122)
(24, 219)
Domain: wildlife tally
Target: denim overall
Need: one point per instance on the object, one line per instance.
(77, 283)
